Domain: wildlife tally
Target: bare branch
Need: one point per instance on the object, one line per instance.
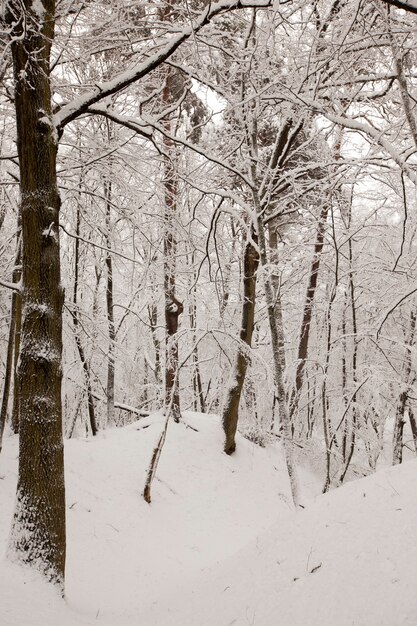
(406, 5)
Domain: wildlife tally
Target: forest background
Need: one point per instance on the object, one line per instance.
(227, 226)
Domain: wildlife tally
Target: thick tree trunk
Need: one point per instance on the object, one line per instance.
(231, 407)
(38, 532)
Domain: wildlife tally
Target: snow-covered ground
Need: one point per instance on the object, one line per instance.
(220, 544)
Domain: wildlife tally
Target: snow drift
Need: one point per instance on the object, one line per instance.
(220, 543)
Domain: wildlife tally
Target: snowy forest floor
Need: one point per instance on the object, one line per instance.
(220, 544)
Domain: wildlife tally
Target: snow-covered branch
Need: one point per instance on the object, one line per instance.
(13, 286)
(80, 105)
(377, 136)
(128, 122)
(406, 5)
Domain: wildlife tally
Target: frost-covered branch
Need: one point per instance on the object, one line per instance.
(198, 150)
(377, 136)
(80, 105)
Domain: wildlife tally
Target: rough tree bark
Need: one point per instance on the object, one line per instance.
(38, 531)
(231, 407)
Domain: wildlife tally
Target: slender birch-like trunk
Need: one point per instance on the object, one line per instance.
(303, 343)
(76, 322)
(278, 355)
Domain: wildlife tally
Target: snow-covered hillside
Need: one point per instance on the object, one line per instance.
(220, 543)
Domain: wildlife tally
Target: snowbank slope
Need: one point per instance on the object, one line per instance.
(219, 545)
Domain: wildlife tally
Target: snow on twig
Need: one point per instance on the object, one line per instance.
(14, 286)
(79, 105)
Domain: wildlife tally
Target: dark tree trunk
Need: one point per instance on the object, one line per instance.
(16, 345)
(413, 425)
(8, 369)
(198, 395)
(397, 452)
(349, 447)
(110, 312)
(344, 381)
(17, 328)
(173, 308)
(10, 361)
(276, 285)
(38, 532)
(153, 322)
(231, 408)
(199, 401)
(328, 438)
(303, 343)
(78, 342)
(400, 417)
